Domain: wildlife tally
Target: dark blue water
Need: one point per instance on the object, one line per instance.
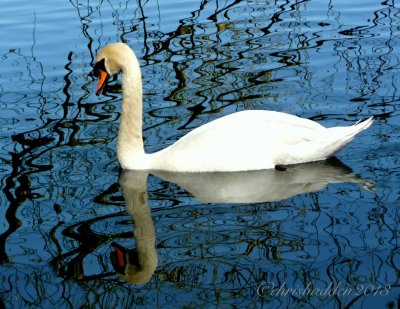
(325, 235)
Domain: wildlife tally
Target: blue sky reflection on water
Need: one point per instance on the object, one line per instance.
(64, 202)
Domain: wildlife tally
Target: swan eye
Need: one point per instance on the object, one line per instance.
(99, 66)
(100, 72)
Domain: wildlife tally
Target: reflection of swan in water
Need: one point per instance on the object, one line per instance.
(137, 266)
(266, 185)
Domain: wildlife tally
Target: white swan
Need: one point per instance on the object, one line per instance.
(243, 141)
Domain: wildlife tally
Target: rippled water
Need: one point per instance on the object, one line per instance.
(65, 214)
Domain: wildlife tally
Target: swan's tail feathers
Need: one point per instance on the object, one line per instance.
(363, 125)
(345, 135)
(358, 127)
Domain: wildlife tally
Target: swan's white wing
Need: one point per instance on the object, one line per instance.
(247, 140)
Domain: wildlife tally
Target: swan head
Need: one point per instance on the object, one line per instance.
(110, 61)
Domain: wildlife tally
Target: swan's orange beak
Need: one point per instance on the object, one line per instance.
(102, 81)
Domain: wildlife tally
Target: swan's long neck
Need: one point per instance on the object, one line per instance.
(130, 149)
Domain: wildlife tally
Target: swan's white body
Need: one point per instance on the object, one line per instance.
(243, 141)
(251, 140)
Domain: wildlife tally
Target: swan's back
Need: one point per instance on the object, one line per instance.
(253, 140)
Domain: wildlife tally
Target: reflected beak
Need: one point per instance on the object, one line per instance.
(119, 258)
(102, 82)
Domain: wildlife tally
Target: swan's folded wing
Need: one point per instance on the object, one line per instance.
(253, 140)
(315, 145)
(247, 140)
